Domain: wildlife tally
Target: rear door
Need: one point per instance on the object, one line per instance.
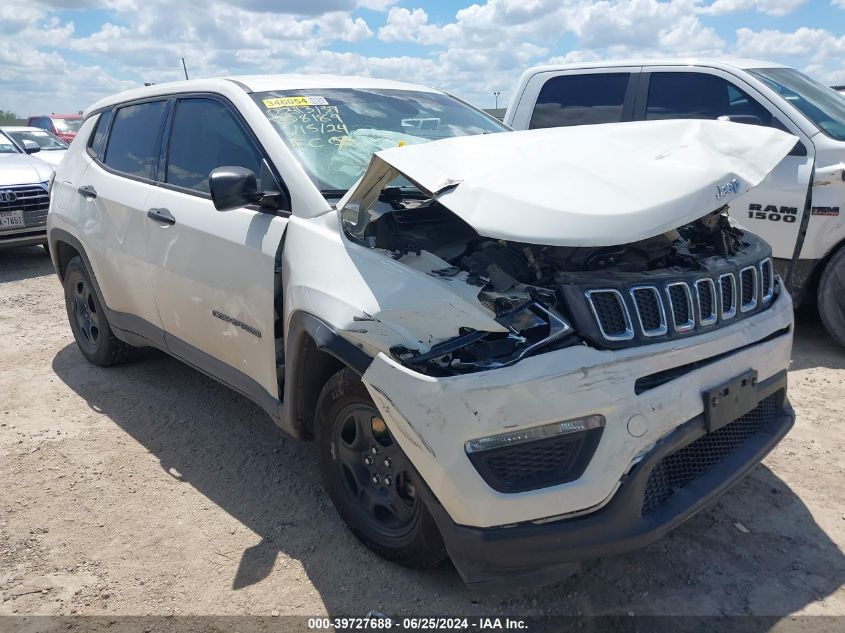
(213, 272)
(112, 195)
(577, 97)
(774, 208)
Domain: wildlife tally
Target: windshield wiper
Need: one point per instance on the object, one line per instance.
(333, 193)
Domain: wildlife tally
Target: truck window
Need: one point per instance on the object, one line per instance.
(135, 139)
(700, 96)
(580, 100)
(205, 136)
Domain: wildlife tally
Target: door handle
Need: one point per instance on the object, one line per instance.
(161, 215)
(87, 191)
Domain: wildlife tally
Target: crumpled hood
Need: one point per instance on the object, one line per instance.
(592, 185)
(23, 169)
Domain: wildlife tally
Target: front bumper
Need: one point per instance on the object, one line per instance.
(536, 553)
(432, 418)
(23, 237)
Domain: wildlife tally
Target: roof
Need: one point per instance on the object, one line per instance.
(56, 115)
(257, 83)
(716, 62)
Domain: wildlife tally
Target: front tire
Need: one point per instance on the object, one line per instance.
(831, 297)
(370, 479)
(88, 321)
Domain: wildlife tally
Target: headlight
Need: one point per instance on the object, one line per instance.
(530, 327)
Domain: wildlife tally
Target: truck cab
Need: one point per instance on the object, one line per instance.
(796, 208)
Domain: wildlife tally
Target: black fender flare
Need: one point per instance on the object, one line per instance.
(300, 391)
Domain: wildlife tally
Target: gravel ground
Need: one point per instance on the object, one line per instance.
(151, 489)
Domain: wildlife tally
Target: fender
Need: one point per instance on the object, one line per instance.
(307, 372)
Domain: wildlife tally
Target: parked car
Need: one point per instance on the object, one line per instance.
(839, 89)
(65, 126)
(797, 208)
(24, 198)
(519, 356)
(52, 148)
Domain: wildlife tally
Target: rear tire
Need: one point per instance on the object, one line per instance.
(370, 479)
(831, 297)
(88, 321)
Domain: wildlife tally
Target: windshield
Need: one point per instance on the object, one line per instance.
(822, 105)
(334, 132)
(45, 140)
(67, 125)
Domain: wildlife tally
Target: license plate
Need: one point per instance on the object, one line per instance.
(730, 400)
(11, 220)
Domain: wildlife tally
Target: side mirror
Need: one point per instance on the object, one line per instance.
(235, 187)
(232, 188)
(30, 147)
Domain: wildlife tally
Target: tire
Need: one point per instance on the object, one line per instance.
(88, 321)
(379, 500)
(831, 297)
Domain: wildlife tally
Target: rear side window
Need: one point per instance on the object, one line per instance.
(580, 100)
(205, 135)
(701, 96)
(98, 139)
(135, 139)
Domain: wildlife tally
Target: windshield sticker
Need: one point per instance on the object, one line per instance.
(294, 102)
(310, 126)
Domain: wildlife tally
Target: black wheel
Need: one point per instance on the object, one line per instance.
(369, 478)
(88, 319)
(831, 297)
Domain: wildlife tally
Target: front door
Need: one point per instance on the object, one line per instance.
(213, 272)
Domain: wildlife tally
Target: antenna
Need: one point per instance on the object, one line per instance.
(185, 68)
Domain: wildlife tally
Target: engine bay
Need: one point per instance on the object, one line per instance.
(532, 290)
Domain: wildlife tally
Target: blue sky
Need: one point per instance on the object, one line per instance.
(61, 55)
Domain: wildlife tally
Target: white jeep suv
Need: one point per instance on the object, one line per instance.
(520, 349)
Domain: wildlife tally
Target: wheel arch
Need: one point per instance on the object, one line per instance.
(314, 351)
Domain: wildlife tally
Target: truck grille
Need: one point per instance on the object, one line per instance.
(682, 467)
(680, 306)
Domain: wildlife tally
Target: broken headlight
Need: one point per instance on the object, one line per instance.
(531, 327)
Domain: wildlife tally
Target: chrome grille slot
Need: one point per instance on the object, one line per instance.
(748, 288)
(767, 280)
(680, 306)
(611, 314)
(705, 294)
(727, 295)
(649, 308)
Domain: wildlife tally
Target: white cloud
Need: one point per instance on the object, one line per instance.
(770, 7)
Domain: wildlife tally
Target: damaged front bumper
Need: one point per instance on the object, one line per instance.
(646, 395)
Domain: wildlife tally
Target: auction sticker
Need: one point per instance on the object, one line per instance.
(294, 102)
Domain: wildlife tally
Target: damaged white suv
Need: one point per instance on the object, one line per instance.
(520, 349)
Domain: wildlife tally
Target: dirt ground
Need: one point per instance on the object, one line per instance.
(151, 489)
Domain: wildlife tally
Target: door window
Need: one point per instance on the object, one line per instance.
(206, 135)
(98, 140)
(580, 100)
(701, 96)
(135, 139)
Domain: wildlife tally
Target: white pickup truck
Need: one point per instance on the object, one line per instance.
(520, 356)
(799, 207)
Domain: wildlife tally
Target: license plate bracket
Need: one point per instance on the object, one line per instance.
(730, 400)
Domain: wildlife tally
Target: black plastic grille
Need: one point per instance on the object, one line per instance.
(766, 273)
(610, 312)
(726, 285)
(682, 467)
(537, 464)
(705, 299)
(648, 307)
(747, 286)
(681, 309)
